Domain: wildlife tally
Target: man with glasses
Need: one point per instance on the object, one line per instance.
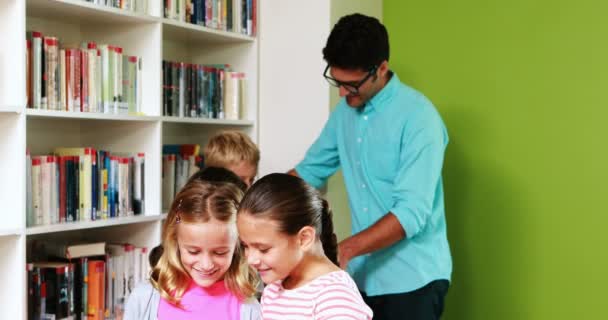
(390, 142)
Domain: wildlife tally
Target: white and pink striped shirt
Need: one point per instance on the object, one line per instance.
(330, 296)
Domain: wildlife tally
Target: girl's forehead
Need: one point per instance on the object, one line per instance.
(249, 220)
(216, 233)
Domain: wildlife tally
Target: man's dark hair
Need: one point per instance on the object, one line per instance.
(357, 42)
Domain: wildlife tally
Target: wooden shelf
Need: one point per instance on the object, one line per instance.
(188, 32)
(61, 227)
(78, 11)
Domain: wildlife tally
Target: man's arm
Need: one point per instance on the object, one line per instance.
(384, 233)
(413, 193)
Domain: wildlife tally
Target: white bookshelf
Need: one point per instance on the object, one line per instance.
(81, 225)
(149, 36)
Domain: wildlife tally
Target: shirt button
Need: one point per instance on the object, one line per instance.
(358, 163)
(364, 117)
(359, 140)
(365, 209)
(363, 186)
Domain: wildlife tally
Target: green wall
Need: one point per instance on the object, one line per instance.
(336, 192)
(522, 87)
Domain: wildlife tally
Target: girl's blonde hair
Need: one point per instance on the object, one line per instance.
(199, 202)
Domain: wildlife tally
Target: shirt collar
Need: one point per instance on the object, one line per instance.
(384, 94)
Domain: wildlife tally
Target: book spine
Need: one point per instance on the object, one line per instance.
(62, 81)
(95, 214)
(92, 76)
(77, 81)
(105, 77)
(62, 189)
(28, 72)
(51, 54)
(84, 89)
(36, 69)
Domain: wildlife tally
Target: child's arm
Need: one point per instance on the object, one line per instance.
(140, 303)
(251, 310)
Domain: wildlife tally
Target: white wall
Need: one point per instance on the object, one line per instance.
(293, 96)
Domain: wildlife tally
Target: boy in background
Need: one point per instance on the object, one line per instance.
(234, 151)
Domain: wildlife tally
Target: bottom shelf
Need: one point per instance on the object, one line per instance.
(61, 227)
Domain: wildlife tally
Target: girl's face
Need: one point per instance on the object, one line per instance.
(272, 253)
(206, 249)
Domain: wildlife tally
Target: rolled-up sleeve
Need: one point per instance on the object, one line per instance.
(322, 159)
(419, 174)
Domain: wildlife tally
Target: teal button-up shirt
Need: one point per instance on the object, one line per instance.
(391, 153)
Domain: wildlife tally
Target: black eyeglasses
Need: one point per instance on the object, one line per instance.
(349, 86)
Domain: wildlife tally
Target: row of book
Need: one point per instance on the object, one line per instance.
(180, 162)
(228, 15)
(203, 91)
(83, 184)
(87, 78)
(138, 6)
(88, 281)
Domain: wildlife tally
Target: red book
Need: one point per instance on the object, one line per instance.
(69, 79)
(254, 17)
(77, 80)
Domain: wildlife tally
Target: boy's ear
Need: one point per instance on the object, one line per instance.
(306, 237)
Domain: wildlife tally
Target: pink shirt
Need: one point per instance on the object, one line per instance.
(330, 296)
(215, 302)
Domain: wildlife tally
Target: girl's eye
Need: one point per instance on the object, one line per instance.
(223, 253)
(192, 252)
(265, 250)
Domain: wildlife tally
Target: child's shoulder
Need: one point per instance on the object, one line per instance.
(338, 280)
(338, 294)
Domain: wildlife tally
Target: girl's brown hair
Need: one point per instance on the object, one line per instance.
(199, 202)
(294, 204)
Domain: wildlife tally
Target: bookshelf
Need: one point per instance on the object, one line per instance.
(149, 36)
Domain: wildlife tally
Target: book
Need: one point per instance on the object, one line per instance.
(74, 251)
(96, 290)
(55, 275)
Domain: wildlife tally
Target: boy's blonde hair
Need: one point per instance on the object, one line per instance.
(199, 202)
(230, 148)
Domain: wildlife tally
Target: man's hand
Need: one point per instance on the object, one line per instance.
(346, 251)
(385, 232)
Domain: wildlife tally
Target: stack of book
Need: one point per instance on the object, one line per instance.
(84, 281)
(83, 184)
(203, 91)
(87, 78)
(180, 162)
(227, 15)
(138, 6)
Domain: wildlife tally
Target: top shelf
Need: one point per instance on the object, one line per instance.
(83, 12)
(78, 11)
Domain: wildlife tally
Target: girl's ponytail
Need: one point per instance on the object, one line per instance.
(328, 237)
